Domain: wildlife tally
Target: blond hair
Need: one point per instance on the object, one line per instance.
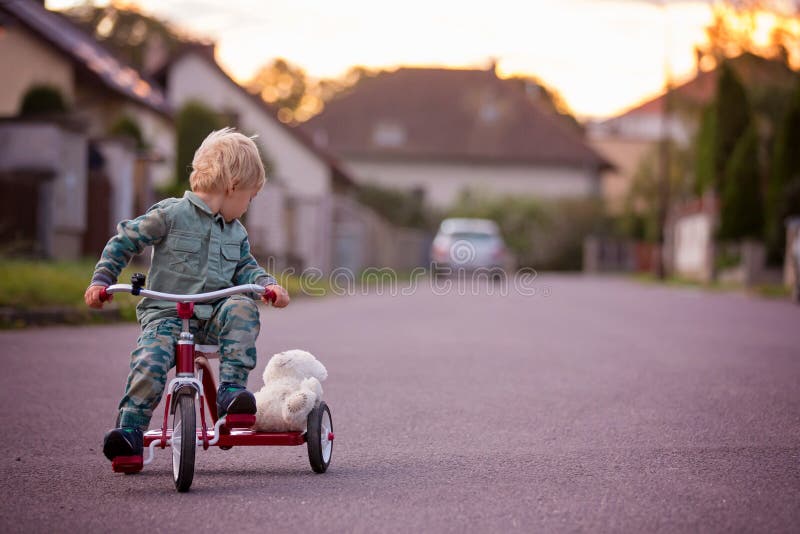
(226, 160)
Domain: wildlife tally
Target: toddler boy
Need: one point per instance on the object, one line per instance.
(198, 246)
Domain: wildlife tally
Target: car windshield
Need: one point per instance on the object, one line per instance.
(472, 236)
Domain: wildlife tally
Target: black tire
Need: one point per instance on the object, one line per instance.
(183, 442)
(320, 448)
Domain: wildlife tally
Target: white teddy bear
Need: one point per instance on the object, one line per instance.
(291, 390)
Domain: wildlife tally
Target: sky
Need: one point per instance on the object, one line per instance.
(603, 56)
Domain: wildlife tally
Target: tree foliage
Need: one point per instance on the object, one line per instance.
(783, 195)
(402, 208)
(736, 23)
(727, 159)
(286, 87)
(141, 40)
(193, 122)
(639, 218)
(741, 210)
(732, 116)
(704, 171)
(297, 96)
(127, 126)
(544, 234)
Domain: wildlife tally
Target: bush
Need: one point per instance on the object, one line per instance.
(127, 126)
(42, 100)
(544, 234)
(401, 208)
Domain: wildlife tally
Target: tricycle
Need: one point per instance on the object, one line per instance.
(194, 388)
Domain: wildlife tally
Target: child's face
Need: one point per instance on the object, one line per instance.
(235, 204)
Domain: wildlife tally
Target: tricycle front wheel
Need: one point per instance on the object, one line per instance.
(183, 442)
(319, 437)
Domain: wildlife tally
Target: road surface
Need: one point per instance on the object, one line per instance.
(596, 404)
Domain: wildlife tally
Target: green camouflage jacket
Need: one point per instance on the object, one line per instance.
(194, 251)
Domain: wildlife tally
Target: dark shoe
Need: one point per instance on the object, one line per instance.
(123, 442)
(233, 398)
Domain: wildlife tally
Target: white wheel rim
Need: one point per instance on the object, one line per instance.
(325, 431)
(177, 423)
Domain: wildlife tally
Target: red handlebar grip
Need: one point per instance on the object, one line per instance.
(271, 295)
(104, 296)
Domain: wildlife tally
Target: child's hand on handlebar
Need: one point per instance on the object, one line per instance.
(92, 296)
(281, 296)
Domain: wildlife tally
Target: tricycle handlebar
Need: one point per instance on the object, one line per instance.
(199, 297)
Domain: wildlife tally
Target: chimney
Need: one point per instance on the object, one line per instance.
(492, 68)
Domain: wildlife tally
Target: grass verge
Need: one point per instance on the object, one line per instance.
(47, 292)
(773, 291)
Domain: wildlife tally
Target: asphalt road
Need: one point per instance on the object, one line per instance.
(597, 404)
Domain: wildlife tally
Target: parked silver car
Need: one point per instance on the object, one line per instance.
(469, 244)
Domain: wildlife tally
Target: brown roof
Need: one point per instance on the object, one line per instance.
(206, 52)
(752, 70)
(447, 114)
(87, 53)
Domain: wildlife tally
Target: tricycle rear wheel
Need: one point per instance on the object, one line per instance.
(319, 437)
(183, 442)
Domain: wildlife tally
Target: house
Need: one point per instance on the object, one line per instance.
(443, 131)
(42, 47)
(294, 219)
(627, 139)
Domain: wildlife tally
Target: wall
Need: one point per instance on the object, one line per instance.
(644, 126)
(305, 177)
(626, 155)
(50, 148)
(32, 62)
(302, 172)
(159, 135)
(364, 239)
(693, 248)
(444, 182)
(120, 161)
(265, 224)
(791, 260)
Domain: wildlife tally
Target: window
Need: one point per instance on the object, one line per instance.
(388, 134)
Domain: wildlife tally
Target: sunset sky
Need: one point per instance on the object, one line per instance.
(602, 55)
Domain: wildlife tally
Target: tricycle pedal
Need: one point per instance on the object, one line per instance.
(127, 464)
(239, 420)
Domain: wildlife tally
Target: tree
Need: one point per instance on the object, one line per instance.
(722, 124)
(285, 86)
(296, 96)
(143, 41)
(732, 117)
(402, 208)
(736, 23)
(193, 123)
(783, 194)
(741, 209)
(639, 219)
(704, 171)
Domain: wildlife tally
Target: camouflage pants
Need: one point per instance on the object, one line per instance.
(234, 325)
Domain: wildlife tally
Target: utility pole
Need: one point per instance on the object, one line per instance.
(662, 210)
